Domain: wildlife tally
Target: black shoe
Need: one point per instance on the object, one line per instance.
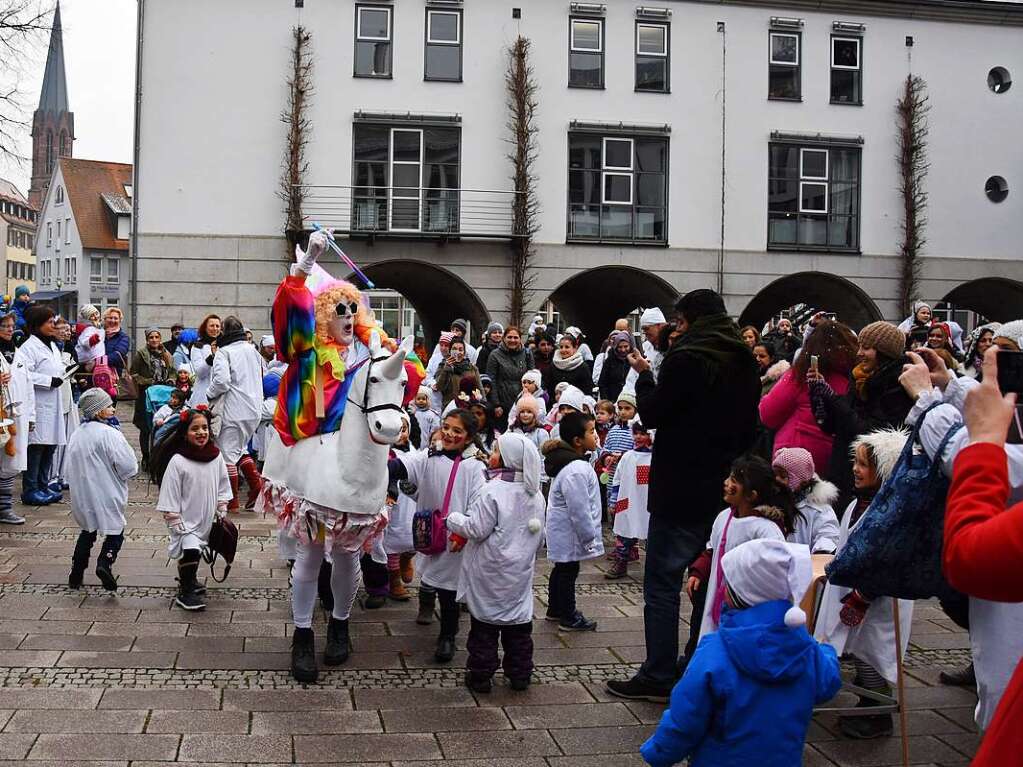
(637, 689)
(964, 677)
(189, 599)
(445, 649)
(866, 727)
(75, 577)
(374, 601)
(199, 589)
(338, 647)
(519, 683)
(478, 684)
(425, 615)
(106, 577)
(549, 616)
(303, 657)
(577, 622)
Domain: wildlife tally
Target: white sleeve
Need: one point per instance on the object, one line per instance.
(933, 430)
(170, 488)
(123, 459)
(479, 519)
(825, 531)
(576, 492)
(414, 462)
(224, 491)
(957, 389)
(220, 382)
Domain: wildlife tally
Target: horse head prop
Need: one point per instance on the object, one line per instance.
(378, 390)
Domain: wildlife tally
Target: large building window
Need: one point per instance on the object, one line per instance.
(784, 70)
(372, 41)
(586, 53)
(617, 188)
(653, 63)
(444, 45)
(813, 197)
(405, 179)
(846, 70)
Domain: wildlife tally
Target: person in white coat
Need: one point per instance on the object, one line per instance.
(58, 482)
(41, 358)
(89, 347)
(504, 530)
(573, 517)
(815, 524)
(194, 489)
(627, 499)
(236, 400)
(858, 624)
(201, 356)
(99, 464)
(651, 322)
(397, 538)
(448, 479)
(19, 407)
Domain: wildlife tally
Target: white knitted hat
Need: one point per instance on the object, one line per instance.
(92, 402)
(765, 570)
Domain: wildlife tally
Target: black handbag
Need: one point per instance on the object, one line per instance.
(223, 542)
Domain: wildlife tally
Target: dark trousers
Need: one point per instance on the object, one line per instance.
(83, 549)
(374, 576)
(561, 590)
(670, 549)
(449, 612)
(482, 646)
(37, 474)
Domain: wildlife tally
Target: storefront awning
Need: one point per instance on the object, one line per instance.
(51, 295)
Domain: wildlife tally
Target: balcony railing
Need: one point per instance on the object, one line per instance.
(411, 211)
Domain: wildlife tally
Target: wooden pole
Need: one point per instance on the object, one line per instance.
(900, 686)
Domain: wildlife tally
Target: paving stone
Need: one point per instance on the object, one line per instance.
(10, 641)
(232, 722)
(567, 656)
(615, 760)
(924, 748)
(288, 700)
(602, 740)
(159, 747)
(11, 658)
(536, 694)
(19, 698)
(445, 720)
(84, 722)
(313, 722)
(149, 660)
(67, 763)
(15, 746)
(91, 614)
(232, 660)
(929, 697)
(479, 745)
(188, 700)
(645, 712)
(942, 641)
(966, 743)
(510, 762)
(44, 627)
(964, 717)
(178, 644)
(235, 748)
(236, 629)
(76, 642)
(572, 715)
(401, 699)
(310, 749)
(104, 628)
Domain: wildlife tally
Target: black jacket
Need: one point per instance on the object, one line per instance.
(484, 355)
(705, 413)
(612, 376)
(506, 369)
(580, 377)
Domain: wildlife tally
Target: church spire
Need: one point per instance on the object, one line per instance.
(53, 125)
(54, 94)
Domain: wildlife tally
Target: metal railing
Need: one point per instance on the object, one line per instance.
(411, 211)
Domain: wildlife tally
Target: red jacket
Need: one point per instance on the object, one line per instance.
(983, 557)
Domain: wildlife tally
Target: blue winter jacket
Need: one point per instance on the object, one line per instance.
(748, 694)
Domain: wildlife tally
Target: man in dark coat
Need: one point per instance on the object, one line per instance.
(704, 407)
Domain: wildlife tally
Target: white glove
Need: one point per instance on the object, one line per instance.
(317, 245)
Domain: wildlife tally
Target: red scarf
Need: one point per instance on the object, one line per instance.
(204, 454)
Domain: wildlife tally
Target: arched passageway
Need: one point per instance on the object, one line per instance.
(999, 299)
(593, 299)
(438, 295)
(826, 292)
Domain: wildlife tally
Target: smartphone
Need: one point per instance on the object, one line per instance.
(813, 361)
(1010, 372)
(830, 316)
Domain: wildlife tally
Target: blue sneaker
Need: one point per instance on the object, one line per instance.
(55, 487)
(53, 497)
(35, 498)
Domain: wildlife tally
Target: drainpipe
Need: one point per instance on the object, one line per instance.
(135, 170)
(721, 247)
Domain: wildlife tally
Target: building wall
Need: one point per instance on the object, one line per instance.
(209, 217)
(53, 252)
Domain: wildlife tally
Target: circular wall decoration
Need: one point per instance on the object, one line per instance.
(996, 188)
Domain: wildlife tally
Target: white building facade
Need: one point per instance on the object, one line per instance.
(744, 146)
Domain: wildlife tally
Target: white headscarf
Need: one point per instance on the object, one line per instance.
(1012, 331)
(534, 376)
(520, 455)
(765, 570)
(572, 397)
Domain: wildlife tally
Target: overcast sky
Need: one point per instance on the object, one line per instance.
(99, 51)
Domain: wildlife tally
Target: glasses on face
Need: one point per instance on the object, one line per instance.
(345, 307)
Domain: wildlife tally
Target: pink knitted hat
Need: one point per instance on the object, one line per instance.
(798, 463)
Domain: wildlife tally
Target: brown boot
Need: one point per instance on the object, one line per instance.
(248, 469)
(232, 506)
(407, 571)
(398, 591)
(619, 569)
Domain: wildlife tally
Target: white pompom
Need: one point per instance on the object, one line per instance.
(535, 525)
(795, 617)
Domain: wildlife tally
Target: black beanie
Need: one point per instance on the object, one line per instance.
(700, 303)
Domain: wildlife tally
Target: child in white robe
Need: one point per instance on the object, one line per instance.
(20, 404)
(815, 524)
(627, 500)
(425, 416)
(99, 464)
(504, 529)
(194, 487)
(397, 538)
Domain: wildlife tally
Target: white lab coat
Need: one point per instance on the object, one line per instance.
(192, 489)
(740, 530)
(397, 538)
(22, 396)
(654, 357)
(574, 514)
(84, 351)
(236, 377)
(43, 363)
(873, 641)
(497, 563)
(266, 419)
(99, 464)
(429, 422)
(816, 525)
(197, 360)
(632, 478)
(58, 468)
(430, 474)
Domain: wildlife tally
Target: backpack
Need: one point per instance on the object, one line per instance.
(223, 541)
(104, 377)
(895, 550)
(429, 528)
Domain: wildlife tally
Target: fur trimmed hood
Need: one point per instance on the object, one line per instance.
(886, 446)
(775, 372)
(821, 493)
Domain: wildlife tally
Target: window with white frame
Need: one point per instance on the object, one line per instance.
(586, 53)
(58, 196)
(846, 70)
(67, 231)
(652, 57)
(443, 45)
(784, 69)
(373, 42)
(95, 270)
(49, 234)
(113, 270)
(73, 268)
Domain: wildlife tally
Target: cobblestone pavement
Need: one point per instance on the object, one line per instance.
(126, 679)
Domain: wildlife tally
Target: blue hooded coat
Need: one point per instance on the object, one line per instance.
(747, 695)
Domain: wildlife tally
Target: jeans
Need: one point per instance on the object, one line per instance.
(37, 474)
(670, 549)
(561, 590)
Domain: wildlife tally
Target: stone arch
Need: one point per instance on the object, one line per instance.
(824, 291)
(999, 299)
(438, 295)
(593, 299)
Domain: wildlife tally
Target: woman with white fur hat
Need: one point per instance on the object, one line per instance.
(504, 527)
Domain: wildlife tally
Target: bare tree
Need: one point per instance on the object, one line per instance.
(24, 24)
(295, 116)
(912, 111)
(521, 89)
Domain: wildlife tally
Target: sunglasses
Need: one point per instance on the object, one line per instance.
(345, 307)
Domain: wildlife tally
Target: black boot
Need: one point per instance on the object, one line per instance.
(963, 677)
(867, 727)
(323, 588)
(188, 597)
(427, 602)
(303, 657)
(338, 644)
(445, 649)
(80, 559)
(107, 556)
